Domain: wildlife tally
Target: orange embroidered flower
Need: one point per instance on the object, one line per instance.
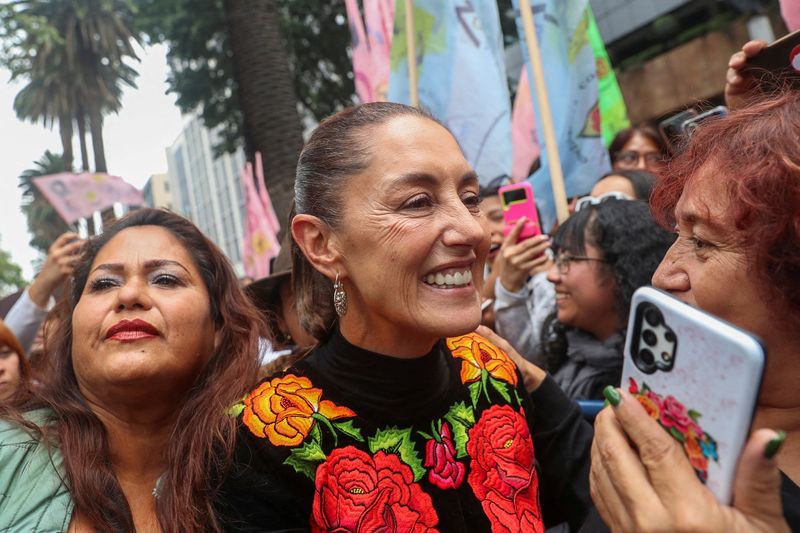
(650, 406)
(285, 409)
(695, 452)
(478, 354)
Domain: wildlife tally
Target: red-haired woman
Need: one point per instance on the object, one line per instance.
(14, 367)
(734, 198)
(130, 430)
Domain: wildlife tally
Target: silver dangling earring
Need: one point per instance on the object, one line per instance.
(339, 297)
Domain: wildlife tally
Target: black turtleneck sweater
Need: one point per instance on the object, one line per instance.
(449, 441)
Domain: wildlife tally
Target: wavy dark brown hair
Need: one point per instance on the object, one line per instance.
(201, 445)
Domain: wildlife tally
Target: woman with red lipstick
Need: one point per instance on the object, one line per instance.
(130, 430)
(402, 418)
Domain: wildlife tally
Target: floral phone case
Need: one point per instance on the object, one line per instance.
(698, 376)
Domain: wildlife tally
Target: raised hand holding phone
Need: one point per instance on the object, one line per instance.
(519, 259)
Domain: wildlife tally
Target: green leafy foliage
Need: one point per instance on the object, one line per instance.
(474, 392)
(348, 429)
(10, 275)
(694, 415)
(501, 388)
(398, 441)
(461, 418)
(306, 458)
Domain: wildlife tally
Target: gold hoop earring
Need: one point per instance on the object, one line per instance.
(339, 297)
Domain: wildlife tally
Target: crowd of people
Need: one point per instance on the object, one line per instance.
(409, 366)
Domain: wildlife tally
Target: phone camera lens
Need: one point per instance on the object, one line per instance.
(647, 356)
(653, 316)
(669, 337)
(649, 337)
(666, 357)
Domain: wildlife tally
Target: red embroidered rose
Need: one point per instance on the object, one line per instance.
(674, 414)
(502, 474)
(361, 493)
(445, 472)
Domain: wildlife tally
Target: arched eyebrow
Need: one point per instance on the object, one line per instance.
(148, 265)
(425, 179)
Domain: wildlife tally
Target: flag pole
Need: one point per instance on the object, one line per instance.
(411, 45)
(550, 143)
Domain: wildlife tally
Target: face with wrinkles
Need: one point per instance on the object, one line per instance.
(413, 239)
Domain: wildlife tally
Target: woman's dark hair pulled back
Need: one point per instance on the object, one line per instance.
(338, 149)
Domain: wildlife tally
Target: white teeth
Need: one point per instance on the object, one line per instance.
(456, 279)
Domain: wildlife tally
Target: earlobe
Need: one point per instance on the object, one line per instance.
(318, 243)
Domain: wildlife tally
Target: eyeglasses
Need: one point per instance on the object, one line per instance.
(586, 201)
(631, 158)
(562, 261)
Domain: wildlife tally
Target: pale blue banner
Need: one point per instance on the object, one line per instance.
(571, 75)
(462, 76)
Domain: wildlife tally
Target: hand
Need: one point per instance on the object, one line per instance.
(518, 260)
(532, 375)
(740, 84)
(641, 480)
(62, 257)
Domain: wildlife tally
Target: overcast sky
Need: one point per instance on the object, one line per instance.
(135, 142)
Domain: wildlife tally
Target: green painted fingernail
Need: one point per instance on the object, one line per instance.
(612, 395)
(775, 445)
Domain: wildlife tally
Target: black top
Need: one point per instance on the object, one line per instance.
(448, 441)
(790, 496)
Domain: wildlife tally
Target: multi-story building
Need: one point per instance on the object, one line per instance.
(671, 54)
(208, 190)
(156, 191)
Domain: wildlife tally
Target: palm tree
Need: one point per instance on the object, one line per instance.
(83, 64)
(44, 223)
(269, 105)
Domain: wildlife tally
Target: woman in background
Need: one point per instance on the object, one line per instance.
(639, 147)
(14, 368)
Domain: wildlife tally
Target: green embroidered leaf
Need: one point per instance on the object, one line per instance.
(518, 397)
(645, 388)
(461, 418)
(316, 434)
(474, 392)
(398, 441)
(306, 458)
(694, 415)
(677, 434)
(500, 387)
(348, 429)
(425, 435)
(236, 409)
(485, 385)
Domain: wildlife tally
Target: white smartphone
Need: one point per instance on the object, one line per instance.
(698, 376)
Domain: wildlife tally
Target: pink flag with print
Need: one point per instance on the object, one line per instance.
(372, 47)
(524, 143)
(263, 194)
(76, 196)
(260, 240)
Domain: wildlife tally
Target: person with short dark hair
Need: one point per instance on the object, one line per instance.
(638, 147)
(636, 184)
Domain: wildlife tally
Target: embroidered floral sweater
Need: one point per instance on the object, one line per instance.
(350, 440)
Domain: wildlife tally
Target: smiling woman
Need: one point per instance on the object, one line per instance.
(129, 429)
(402, 417)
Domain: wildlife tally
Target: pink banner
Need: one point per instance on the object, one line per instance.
(790, 9)
(372, 47)
(524, 143)
(76, 196)
(260, 240)
(263, 194)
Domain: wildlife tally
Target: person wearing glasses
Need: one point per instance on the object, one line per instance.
(639, 147)
(603, 253)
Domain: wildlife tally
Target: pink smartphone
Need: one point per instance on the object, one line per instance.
(517, 201)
